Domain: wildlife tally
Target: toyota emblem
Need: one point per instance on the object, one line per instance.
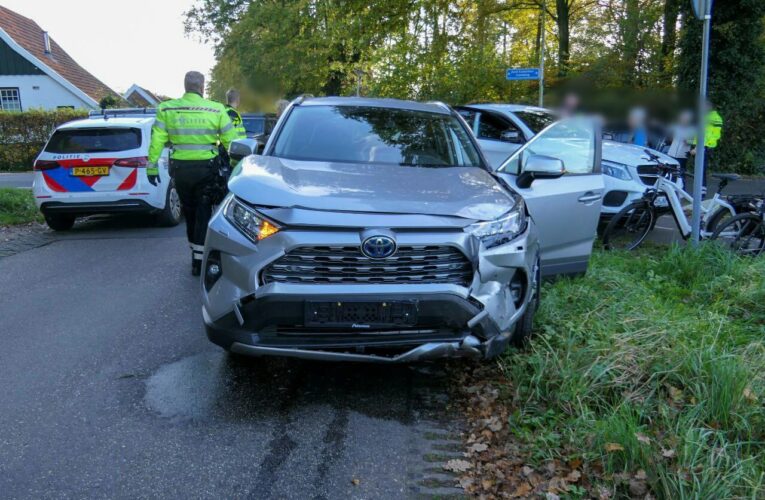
(378, 247)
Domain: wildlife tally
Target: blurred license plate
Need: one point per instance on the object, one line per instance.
(361, 315)
(86, 171)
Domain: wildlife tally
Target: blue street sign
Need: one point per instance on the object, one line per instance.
(522, 74)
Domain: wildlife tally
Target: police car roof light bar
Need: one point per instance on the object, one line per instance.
(114, 112)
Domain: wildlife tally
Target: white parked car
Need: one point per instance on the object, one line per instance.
(97, 165)
(503, 128)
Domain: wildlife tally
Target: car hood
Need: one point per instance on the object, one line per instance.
(467, 192)
(630, 154)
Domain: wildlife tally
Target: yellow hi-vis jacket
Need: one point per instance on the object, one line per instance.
(193, 127)
(713, 130)
(236, 119)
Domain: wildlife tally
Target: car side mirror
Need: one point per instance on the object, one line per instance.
(540, 167)
(241, 148)
(511, 136)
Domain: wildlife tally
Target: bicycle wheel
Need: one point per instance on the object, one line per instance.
(628, 228)
(743, 234)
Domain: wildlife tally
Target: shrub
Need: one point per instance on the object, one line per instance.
(23, 135)
(17, 206)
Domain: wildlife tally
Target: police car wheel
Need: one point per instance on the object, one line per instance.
(170, 215)
(60, 222)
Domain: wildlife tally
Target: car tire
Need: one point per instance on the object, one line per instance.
(524, 327)
(171, 215)
(60, 222)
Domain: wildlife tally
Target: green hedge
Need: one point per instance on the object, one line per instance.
(22, 135)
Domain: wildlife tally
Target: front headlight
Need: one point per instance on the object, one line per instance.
(617, 171)
(248, 221)
(502, 230)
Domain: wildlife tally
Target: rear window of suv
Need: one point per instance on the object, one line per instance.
(376, 135)
(94, 140)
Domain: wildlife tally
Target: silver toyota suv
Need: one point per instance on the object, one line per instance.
(375, 230)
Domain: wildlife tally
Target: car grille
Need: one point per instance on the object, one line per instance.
(648, 174)
(346, 264)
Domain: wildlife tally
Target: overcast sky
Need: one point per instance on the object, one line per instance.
(123, 42)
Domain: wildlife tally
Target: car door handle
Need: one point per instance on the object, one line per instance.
(589, 197)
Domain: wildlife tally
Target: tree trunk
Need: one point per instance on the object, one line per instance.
(668, 40)
(631, 48)
(563, 19)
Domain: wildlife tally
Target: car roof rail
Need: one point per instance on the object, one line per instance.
(440, 104)
(115, 112)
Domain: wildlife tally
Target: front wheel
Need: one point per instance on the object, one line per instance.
(628, 229)
(743, 234)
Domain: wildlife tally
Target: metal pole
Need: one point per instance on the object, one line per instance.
(542, 59)
(700, 134)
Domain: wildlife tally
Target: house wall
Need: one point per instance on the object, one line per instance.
(41, 91)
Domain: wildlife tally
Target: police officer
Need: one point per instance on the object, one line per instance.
(712, 136)
(232, 102)
(193, 127)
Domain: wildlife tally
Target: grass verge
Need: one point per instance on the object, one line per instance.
(17, 206)
(647, 378)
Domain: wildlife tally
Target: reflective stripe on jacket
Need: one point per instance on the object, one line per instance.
(193, 127)
(236, 119)
(713, 130)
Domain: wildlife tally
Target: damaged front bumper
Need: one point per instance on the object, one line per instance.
(247, 316)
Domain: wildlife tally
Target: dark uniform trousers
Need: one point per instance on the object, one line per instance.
(196, 182)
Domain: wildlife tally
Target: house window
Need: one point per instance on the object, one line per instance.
(9, 98)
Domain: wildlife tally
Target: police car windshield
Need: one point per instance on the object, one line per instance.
(94, 140)
(362, 134)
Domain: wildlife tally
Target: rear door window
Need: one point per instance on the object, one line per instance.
(94, 140)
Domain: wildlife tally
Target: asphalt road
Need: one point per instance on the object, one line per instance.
(16, 179)
(111, 389)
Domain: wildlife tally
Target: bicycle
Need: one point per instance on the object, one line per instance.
(744, 233)
(629, 227)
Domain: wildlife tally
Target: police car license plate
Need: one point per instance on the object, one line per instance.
(88, 171)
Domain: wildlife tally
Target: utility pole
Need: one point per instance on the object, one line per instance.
(703, 10)
(542, 57)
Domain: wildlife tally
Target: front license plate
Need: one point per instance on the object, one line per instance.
(361, 315)
(88, 171)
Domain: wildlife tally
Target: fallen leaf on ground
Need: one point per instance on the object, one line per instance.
(355, 482)
(573, 476)
(477, 448)
(611, 447)
(667, 453)
(638, 488)
(526, 470)
(641, 475)
(521, 491)
(457, 465)
(494, 424)
(642, 438)
(749, 395)
(551, 496)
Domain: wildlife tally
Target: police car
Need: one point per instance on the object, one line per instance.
(98, 165)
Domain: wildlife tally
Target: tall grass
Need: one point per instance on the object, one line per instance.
(653, 361)
(17, 206)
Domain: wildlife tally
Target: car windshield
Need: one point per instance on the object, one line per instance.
(536, 120)
(363, 134)
(254, 125)
(94, 140)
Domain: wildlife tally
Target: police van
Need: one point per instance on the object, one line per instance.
(98, 165)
